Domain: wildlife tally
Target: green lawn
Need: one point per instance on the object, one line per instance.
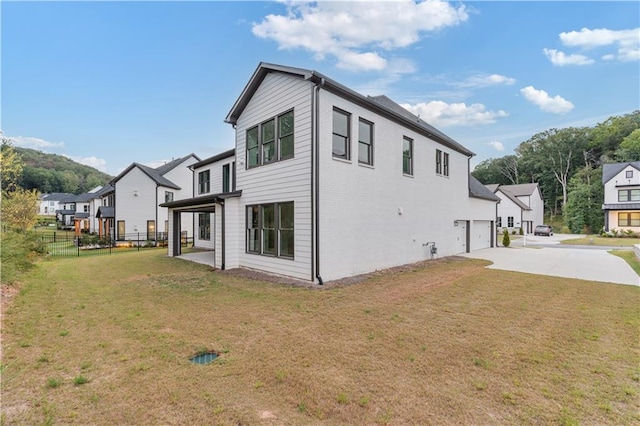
(107, 340)
(602, 241)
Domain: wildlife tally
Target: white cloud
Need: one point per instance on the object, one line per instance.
(35, 143)
(441, 114)
(498, 146)
(626, 42)
(355, 33)
(486, 80)
(556, 104)
(560, 58)
(95, 162)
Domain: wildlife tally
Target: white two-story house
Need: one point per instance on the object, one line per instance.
(521, 206)
(621, 196)
(138, 192)
(330, 184)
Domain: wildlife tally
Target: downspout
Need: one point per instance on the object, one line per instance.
(155, 227)
(315, 172)
(223, 257)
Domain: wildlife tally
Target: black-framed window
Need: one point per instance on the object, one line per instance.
(629, 195)
(499, 222)
(226, 177)
(365, 142)
(438, 162)
(121, 230)
(628, 219)
(629, 174)
(204, 226)
(407, 156)
(270, 229)
(151, 230)
(445, 164)
(510, 221)
(271, 140)
(341, 134)
(168, 196)
(204, 182)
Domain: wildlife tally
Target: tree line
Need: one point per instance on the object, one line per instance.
(567, 164)
(50, 173)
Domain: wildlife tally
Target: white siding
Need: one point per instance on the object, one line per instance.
(611, 189)
(508, 208)
(135, 201)
(375, 217)
(287, 180)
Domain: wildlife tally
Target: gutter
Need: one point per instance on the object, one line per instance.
(315, 176)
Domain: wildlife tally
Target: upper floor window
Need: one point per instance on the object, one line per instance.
(445, 164)
(226, 177)
(341, 137)
(271, 141)
(629, 195)
(629, 174)
(510, 221)
(365, 142)
(168, 196)
(438, 162)
(85, 209)
(204, 182)
(407, 156)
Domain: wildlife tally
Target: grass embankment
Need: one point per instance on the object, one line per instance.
(596, 240)
(630, 257)
(107, 340)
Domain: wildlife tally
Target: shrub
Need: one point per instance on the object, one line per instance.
(18, 253)
(506, 241)
(521, 231)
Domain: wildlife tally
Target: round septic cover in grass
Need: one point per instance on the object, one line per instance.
(204, 357)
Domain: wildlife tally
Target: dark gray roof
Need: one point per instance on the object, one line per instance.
(521, 189)
(217, 157)
(513, 198)
(82, 215)
(627, 206)
(380, 104)
(493, 187)
(174, 163)
(478, 190)
(85, 198)
(104, 191)
(202, 202)
(58, 196)
(610, 170)
(105, 212)
(66, 212)
(151, 172)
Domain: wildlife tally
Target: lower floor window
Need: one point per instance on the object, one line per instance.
(121, 230)
(510, 221)
(499, 222)
(628, 219)
(269, 229)
(151, 230)
(204, 226)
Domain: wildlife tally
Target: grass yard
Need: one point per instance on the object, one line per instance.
(598, 240)
(107, 340)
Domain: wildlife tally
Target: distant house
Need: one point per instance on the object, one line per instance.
(521, 206)
(66, 213)
(49, 203)
(138, 192)
(329, 183)
(621, 196)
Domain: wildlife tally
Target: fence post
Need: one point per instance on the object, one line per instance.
(54, 236)
(78, 246)
(138, 241)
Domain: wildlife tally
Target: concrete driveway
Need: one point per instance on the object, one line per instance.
(545, 256)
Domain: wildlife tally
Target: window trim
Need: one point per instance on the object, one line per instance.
(629, 220)
(347, 137)
(204, 187)
(509, 221)
(259, 231)
(277, 141)
(628, 193)
(168, 196)
(369, 145)
(445, 163)
(410, 157)
(206, 226)
(629, 174)
(438, 162)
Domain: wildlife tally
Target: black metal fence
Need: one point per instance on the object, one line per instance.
(61, 244)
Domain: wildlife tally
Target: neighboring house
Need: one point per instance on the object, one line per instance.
(213, 175)
(330, 184)
(66, 214)
(49, 203)
(521, 206)
(621, 196)
(138, 192)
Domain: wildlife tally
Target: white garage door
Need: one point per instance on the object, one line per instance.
(460, 227)
(481, 237)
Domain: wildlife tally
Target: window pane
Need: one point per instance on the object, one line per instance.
(286, 243)
(339, 146)
(407, 154)
(364, 153)
(268, 131)
(269, 152)
(364, 131)
(340, 123)
(286, 147)
(252, 137)
(269, 243)
(286, 124)
(623, 195)
(268, 217)
(286, 215)
(253, 241)
(635, 194)
(253, 156)
(253, 231)
(623, 219)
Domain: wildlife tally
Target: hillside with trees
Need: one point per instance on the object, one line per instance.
(49, 173)
(567, 164)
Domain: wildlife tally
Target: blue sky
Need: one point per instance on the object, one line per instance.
(111, 83)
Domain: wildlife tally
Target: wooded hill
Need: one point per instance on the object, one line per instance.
(55, 173)
(567, 164)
